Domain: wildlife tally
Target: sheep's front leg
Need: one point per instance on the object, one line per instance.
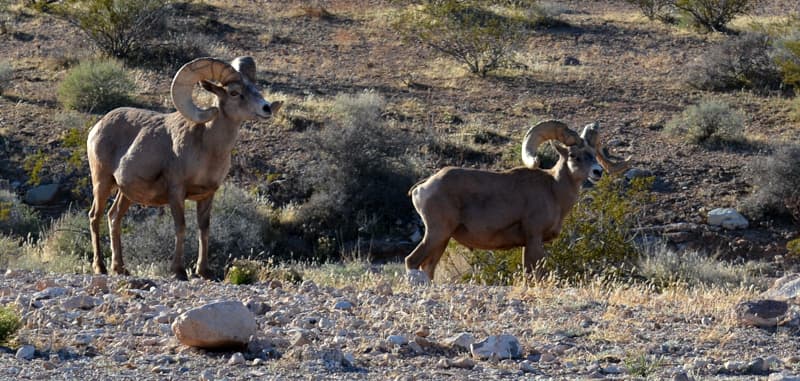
(204, 223)
(533, 256)
(176, 200)
(100, 190)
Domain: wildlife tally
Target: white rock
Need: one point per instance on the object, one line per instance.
(236, 359)
(735, 366)
(613, 369)
(728, 218)
(49, 293)
(215, 325)
(397, 340)
(502, 347)
(417, 278)
(527, 367)
(207, 375)
(25, 352)
(461, 341)
(462, 362)
(784, 288)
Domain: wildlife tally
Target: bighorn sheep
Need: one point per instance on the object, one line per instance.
(164, 159)
(524, 206)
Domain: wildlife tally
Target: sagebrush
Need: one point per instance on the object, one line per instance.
(711, 123)
(776, 185)
(96, 86)
(741, 62)
(714, 15)
(17, 218)
(10, 322)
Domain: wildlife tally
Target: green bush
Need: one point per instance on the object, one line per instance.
(787, 57)
(121, 28)
(714, 15)
(776, 182)
(9, 323)
(361, 173)
(741, 62)
(96, 86)
(597, 236)
(709, 123)
(69, 238)
(243, 271)
(471, 31)
(16, 218)
(11, 250)
(493, 267)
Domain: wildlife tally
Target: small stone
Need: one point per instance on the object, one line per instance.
(236, 359)
(98, 284)
(207, 375)
(423, 331)
(462, 362)
(501, 346)
(681, 376)
(571, 61)
(49, 293)
(417, 278)
(613, 369)
(782, 377)
(300, 338)
(636, 173)
(416, 348)
(758, 366)
(734, 366)
(47, 365)
(397, 340)
(25, 352)
(82, 339)
(257, 307)
(527, 367)
(547, 358)
(82, 302)
(325, 323)
(384, 288)
(461, 341)
(119, 356)
(443, 364)
(45, 283)
(345, 305)
(160, 369)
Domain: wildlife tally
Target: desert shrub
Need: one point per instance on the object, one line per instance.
(16, 218)
(493, 267)
(243, 271)
(76, 128)
(69, 238)
(471, 31)
(9, 323)
(597, 236)
(6, 71)
(708, 123)
(661, 10)
(95, 86)
(120, 28)
(664, 267)
(787, 57)
(714, 15)
(742, 62)
(10, 249)
(170, 52)
(776, 181)
(793, 247)
(361, 172)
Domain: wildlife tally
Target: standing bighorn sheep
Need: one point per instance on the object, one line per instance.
(164, 159)
(523, 206)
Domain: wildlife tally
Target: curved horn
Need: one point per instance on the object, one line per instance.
(542, 132)
(247, 66)
(190, 74)
(591, 134)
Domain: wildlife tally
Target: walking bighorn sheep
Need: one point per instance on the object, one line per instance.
(524, 206)
(164, 159)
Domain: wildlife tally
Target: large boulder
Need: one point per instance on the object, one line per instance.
(219, 325)
(42, 194)
(762, 313)
(784, 288)
(727, 218)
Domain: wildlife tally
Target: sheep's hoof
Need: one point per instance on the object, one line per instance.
(205, 274)
(181, 275)
(417, 278)
(100, 268)
(119, 270)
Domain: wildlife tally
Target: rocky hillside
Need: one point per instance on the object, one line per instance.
(361, 322)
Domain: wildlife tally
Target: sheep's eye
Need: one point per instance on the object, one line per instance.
(573, 156)
(234, 93)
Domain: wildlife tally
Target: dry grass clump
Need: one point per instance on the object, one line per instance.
(96, 86)
(6, 72)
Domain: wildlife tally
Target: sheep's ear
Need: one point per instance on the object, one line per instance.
(218, 90)
(560, 148)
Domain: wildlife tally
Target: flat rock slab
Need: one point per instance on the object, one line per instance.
(764, 313)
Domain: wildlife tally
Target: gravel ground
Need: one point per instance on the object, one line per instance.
(378, 327)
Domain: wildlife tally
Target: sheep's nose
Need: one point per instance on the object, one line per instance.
(267, 109)
(597, 172)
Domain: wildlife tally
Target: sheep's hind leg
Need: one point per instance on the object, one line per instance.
(101, 190)
(176, 200)
(115, 214)
(203, 223)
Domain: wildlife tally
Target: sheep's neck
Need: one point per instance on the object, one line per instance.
(221, 134)
(566, 185)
